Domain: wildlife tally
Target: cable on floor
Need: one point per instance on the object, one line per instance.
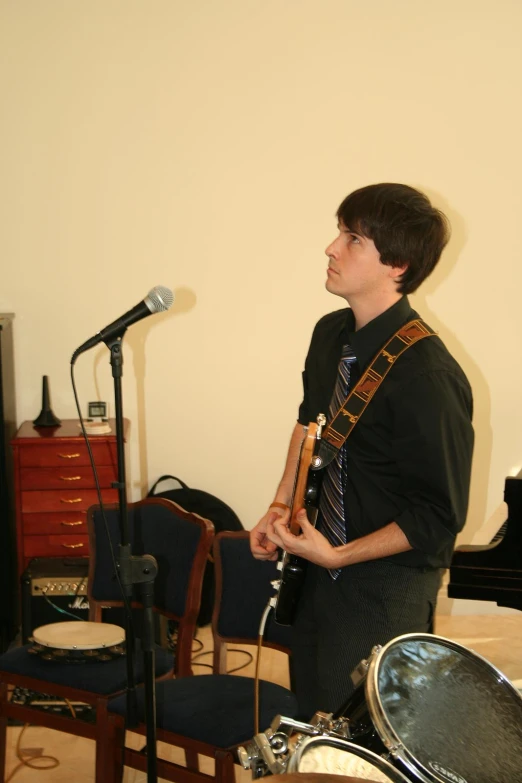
(25, 762)
(249, 660)
(28, 762)
(197, 647)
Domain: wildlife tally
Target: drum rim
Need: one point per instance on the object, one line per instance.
(343, 744)
(388, 735)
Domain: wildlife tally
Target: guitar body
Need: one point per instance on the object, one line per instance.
(306, 495)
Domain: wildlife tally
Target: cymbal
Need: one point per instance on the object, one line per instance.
(315, 777)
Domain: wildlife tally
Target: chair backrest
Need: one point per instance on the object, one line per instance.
(179, 540)
(243, 589)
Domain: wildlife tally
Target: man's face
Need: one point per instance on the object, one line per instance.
(355, 270)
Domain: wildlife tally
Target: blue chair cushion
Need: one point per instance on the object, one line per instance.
(100, 677)
(217, 709)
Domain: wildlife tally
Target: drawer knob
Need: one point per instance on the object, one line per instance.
(69, 456)
(70, 478)
(74, 500)
(72, 546)
(72, 524)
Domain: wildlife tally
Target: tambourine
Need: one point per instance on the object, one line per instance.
(78, 642)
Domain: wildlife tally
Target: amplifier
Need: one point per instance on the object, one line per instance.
(54, 590)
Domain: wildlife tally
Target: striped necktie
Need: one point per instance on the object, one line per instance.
(331, 504)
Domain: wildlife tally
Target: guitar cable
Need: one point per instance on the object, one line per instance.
(270, 605)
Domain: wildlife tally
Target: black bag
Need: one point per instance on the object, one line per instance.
(212, 508)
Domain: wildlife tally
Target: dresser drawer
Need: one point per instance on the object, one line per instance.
(36, 501)
(55, 487)
(57, 523)
(71, 454)
(56, 546)
(65, 477)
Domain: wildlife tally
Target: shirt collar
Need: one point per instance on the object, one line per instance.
(368, 340)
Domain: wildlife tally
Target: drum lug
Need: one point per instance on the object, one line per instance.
(341, 728)
(288, 726)
(275, 766)
(279, 743)
(360, 672)
(322, 721)
(244, 757)
(259, 754)
(393, 750)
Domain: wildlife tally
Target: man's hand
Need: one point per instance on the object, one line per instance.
(261, 547)
(310, 544)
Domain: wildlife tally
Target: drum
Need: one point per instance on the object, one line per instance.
(441, 711)
(339, 757)
(78, 642)
(316, 777)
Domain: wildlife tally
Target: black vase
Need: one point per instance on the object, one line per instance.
(46, 417)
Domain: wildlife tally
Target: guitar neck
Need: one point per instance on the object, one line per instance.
(301, 479)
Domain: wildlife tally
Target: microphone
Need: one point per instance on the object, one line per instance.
(157, 300)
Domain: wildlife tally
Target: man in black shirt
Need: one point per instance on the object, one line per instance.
(402, 479)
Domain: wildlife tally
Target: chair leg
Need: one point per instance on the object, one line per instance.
(224, 767)
(104, 744)
(110, 739)
(192, 760)
(3, 728)
(117, 742)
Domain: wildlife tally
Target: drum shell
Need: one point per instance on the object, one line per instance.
(346, 759)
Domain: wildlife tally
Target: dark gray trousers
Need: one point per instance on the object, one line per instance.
(339, 622)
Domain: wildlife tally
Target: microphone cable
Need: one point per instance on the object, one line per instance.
(127, 606)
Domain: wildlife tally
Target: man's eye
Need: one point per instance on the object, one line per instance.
(354, 238)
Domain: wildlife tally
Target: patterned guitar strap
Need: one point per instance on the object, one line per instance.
(331, 454)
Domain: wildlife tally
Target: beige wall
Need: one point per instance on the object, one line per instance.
(205, 146)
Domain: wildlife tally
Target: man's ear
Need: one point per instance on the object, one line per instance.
(397, 271)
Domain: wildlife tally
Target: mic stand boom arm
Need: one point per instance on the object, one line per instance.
(134, 570)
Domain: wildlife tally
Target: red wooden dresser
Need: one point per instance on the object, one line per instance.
(54, 487)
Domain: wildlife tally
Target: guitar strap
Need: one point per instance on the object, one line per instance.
(341, 426)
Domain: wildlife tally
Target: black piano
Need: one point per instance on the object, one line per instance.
(493, 572)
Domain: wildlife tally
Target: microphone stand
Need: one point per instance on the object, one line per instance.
(134, 571)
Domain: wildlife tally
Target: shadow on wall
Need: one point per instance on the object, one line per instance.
(479, 384)
(184, 301)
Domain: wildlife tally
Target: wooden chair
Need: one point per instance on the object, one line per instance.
(180, 542)
(213, 714)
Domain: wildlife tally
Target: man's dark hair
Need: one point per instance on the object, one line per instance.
(404, 226)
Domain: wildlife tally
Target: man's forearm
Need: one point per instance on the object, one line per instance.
(389, 540)
(286, 485)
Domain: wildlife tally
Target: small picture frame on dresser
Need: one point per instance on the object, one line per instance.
(97, 411)
(97, 422)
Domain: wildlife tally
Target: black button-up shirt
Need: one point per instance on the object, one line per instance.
(409, 455)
